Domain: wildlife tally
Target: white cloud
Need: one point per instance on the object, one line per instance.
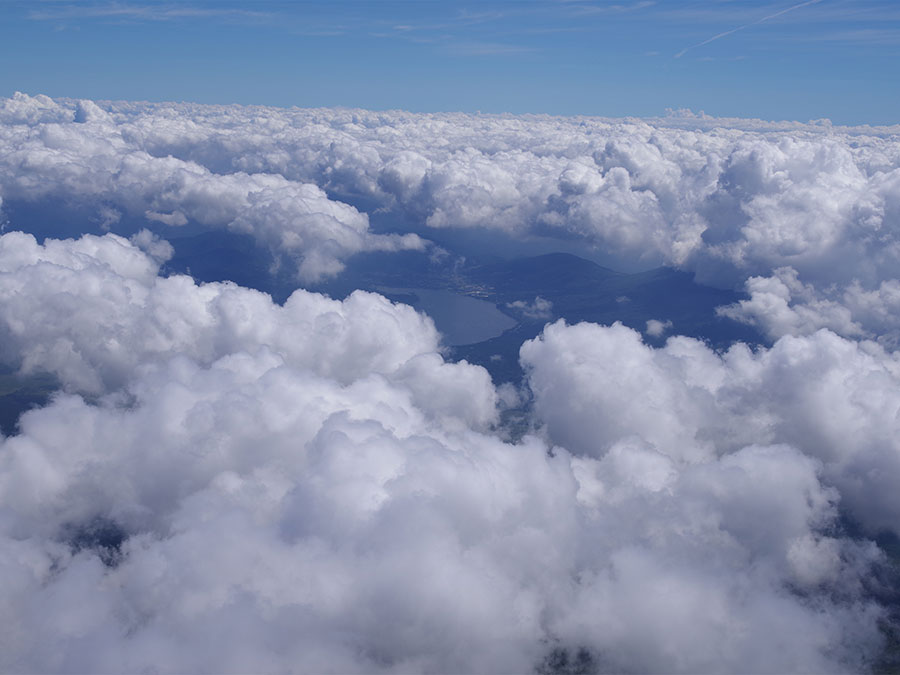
(770, 307)
(96, 160)
(174, 219)
(727, 199)
(92, 310)
(228, 484)
(539, 308)
(782, 305)
(311, 486)
(657, 328)
(833, 399)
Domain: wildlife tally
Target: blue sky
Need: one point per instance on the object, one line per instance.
(774, 60)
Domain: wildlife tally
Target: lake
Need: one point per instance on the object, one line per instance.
(460, 319)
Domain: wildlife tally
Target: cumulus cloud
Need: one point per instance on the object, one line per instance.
(833, 399)
(657, 328)
(783, 305)
(224, 483)
(93, 310)
(311, 486)
(539, 308)
(726, 199)
(88, 157)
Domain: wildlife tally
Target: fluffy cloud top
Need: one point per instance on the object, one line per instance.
(91, 310)
(833, 399)
(726, 199)
(226, 484)
(751, 199)
(312, 487)
(90, 158)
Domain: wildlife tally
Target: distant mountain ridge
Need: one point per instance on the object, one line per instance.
(542, 272)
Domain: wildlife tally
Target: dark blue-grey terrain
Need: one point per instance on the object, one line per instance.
(577, 290)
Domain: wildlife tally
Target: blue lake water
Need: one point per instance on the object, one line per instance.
(460, 319)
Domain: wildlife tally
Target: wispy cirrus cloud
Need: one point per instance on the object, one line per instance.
(146, 12)
(726, 33)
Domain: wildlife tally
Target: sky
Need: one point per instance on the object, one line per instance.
(203, 477)
(835, 59)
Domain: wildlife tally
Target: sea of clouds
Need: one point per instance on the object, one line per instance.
(226, 484)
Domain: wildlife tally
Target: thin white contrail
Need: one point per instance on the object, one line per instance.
(746, 25)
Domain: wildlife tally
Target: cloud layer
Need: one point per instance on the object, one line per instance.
(226, 484)
(90, 158)
(311, 486)
(726, 199)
